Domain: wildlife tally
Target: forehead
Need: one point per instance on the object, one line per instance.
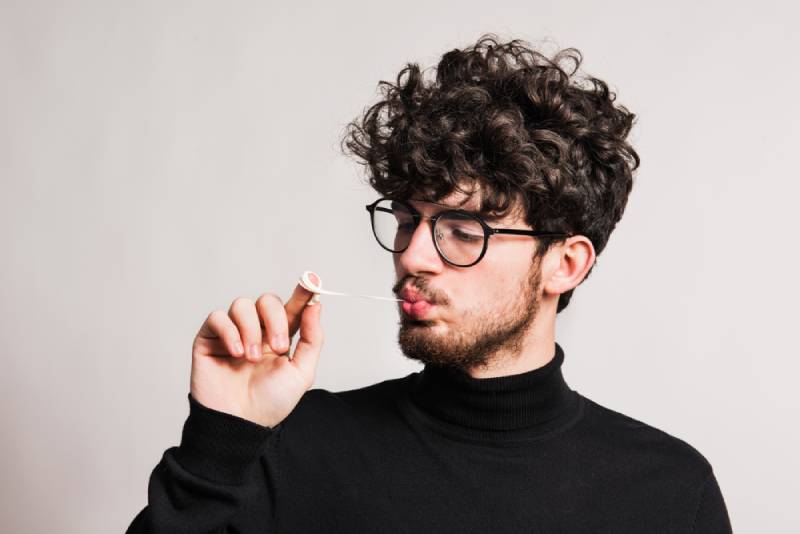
(463, 201)
(470, 204)
(457, 199)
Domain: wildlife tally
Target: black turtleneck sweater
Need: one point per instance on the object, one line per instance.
(434, 451)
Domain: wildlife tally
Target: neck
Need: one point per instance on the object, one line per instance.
(531, 400)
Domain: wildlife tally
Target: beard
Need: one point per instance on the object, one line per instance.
(481, 334)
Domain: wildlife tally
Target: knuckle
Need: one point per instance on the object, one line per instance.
(242, 311)
(271, 313)
(216, 321)
(241, 302)
(266, 298)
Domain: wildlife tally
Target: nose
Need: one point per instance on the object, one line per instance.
(421, 254)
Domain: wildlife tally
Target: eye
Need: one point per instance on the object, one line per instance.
(461, 228)
(466, 236)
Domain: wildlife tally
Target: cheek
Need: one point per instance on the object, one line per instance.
(488, 286)
(500, 274)
(503, 285)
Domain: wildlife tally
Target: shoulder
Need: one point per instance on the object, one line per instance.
(641, 447)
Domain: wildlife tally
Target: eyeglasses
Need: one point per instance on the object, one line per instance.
(460, 237)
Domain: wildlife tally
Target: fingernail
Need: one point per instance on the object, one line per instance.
(239, 349)
(281, 342)
(254, 352)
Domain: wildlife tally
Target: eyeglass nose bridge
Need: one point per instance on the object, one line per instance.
(418, 218)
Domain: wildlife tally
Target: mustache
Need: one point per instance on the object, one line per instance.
(422, 286)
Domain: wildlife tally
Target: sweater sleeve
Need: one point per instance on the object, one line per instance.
(712, 514)
(212, 482)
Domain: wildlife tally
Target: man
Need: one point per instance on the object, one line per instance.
(500, 181)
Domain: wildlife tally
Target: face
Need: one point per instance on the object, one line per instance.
(476, 314)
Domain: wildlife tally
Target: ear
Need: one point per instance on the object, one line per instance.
(566, 265)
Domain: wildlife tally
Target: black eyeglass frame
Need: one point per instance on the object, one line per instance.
(488, 231)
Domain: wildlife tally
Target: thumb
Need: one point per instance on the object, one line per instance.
(309, 345)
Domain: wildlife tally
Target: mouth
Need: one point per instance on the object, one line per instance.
(417, 309)
(414, 304)
(411, 294)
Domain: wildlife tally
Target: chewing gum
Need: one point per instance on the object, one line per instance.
(307, 280)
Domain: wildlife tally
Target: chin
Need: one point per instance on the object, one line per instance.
(408, 322)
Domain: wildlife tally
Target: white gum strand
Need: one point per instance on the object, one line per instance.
(306, 282)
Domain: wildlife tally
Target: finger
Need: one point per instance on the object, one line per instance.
(309, 346)
(297, 303)
(243, 313)
(276, 327)
(218, 327)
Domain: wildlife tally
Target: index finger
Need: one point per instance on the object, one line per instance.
(294, 306)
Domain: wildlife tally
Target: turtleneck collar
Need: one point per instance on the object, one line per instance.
(534, 400)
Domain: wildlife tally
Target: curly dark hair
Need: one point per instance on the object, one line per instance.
(515, 123)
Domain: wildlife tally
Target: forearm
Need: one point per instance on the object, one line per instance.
(211, 479)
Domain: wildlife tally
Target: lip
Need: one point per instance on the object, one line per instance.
(412, 295)
(414, 303)
(417, 309)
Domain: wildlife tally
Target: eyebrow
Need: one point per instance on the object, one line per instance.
(485, 216)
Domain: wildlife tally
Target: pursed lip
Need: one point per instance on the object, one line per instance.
(412, 295)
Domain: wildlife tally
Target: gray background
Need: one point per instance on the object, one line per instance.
(159, 159)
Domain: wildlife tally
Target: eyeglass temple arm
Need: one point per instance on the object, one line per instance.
(516, 231)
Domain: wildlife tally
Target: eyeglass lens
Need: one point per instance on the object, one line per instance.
(459, 237)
